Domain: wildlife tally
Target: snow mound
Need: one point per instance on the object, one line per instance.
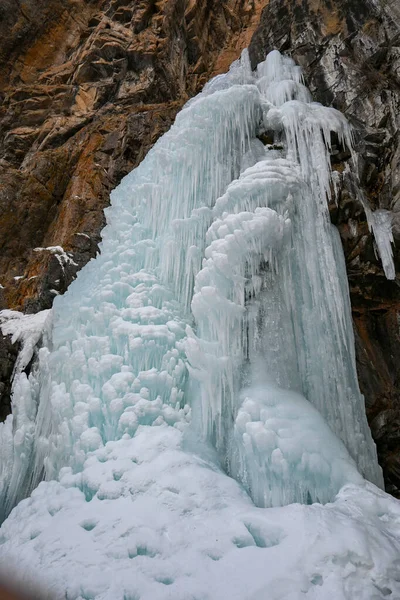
(151, 520)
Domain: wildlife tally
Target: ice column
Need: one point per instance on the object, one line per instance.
(274, 330)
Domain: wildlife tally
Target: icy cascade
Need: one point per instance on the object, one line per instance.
(117, 358)
(215, 226)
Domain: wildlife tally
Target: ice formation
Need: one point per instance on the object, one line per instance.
(381, 224)
(27, 330)
(202, 369)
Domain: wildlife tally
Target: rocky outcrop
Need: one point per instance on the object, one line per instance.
(350, 54)
(87, 87)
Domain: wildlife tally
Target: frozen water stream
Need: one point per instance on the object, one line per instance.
(201, 370)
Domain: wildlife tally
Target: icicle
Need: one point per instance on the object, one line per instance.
(380, 222)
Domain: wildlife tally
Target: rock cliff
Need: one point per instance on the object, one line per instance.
(87, 87)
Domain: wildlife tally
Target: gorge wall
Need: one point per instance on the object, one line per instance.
(88, 86)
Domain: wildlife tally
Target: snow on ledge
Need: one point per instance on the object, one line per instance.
(64, 258)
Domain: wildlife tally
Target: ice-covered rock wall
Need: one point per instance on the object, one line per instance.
(212, 334)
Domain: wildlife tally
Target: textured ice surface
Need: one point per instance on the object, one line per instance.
(202, 364)
(285, 451)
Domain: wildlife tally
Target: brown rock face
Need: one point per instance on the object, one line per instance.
(87, 87)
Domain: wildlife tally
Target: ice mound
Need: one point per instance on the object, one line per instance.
(285, 452)
(166, 523)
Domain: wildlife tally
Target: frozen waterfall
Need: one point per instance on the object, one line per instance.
(204, 358)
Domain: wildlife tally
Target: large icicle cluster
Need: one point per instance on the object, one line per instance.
(116, 360)
(380, 223)
(211, 337)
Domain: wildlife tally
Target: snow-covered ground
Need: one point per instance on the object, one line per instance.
(164, 523)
